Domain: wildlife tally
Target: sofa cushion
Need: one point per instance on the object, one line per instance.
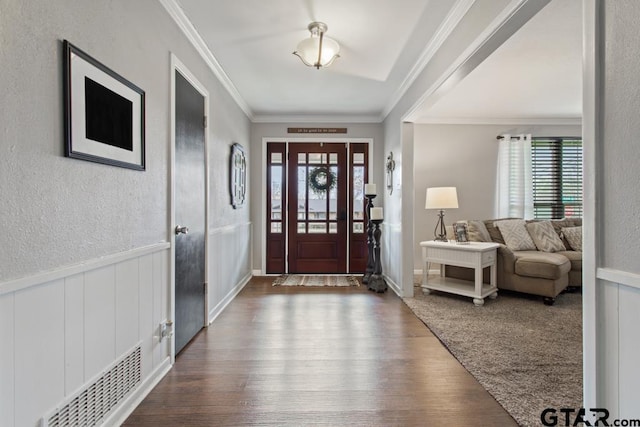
(559, 224)
(573, 236)
(494, 233)
(575, 257)
(545, 265)
(544, 236)
(478, 231)
(515, 235)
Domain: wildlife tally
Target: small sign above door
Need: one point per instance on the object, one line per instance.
(316, 130)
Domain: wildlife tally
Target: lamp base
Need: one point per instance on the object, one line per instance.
(440, 233)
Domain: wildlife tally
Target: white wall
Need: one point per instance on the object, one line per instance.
(279, 132)
(462, 156)
(612, 224)
(85, 246)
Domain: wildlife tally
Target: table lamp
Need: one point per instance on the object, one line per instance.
(441, 198)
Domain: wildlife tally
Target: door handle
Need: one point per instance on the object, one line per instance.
(181, 229)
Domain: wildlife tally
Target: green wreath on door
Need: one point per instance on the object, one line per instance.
(322, 179)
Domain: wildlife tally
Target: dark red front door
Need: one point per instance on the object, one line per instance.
(317, 208)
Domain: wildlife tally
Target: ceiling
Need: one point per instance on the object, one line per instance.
(384, 45)
(535, 76)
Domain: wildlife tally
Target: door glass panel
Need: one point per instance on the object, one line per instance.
(358, 227)
(302, 158)
(276, 158)
(302, 228)
(317, 196)
(333, 158)
(276, 227)
(358, 193)
(317, 228)
(333, 195)
(302, 192)
(316, 158)
(276, 191)
(358, 158)
(333, 228)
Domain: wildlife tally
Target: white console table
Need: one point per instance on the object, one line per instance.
(474, 255)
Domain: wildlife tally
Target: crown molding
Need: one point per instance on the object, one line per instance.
(316, 118)
(178, 15)
(559, 121)
(458, 11)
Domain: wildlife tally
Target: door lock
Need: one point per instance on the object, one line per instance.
(181, 229)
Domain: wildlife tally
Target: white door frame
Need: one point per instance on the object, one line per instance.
(177, 65)
(263, 192)
(592, 32)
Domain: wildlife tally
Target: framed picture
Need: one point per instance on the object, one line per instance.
(238, 175)
(461, 232)
(103, 113)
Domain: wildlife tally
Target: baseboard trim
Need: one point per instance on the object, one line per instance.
(120, 415)
(393, 286)
(219, 308)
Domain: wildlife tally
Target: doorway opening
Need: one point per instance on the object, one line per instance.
(316, 207)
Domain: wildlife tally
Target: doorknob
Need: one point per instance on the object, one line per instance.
(181, 229)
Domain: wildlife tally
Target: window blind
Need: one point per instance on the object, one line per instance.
(557, 177)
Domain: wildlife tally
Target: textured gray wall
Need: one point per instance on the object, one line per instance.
(620, 198)
(56, 211)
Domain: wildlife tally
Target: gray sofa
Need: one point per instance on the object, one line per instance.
(535, 272)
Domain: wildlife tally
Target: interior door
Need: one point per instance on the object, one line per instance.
(189, 212)
(317, 208)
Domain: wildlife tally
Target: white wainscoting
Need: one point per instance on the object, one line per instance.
(229, 265)
(59, 329)
(619, 338)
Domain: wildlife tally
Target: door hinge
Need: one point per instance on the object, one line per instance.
(205, 287)
(204, 121)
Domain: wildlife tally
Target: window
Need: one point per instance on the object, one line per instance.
(556, 168)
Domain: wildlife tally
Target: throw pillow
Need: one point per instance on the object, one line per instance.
(545, 237)
(478, 232)
(515, 235)
(574, 237)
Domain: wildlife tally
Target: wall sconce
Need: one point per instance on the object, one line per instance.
(390, 167)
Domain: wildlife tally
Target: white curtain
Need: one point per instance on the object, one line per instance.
(515, 186)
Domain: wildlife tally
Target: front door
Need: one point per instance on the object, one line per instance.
(317, 208)
(190, 212)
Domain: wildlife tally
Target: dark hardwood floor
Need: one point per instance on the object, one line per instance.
(297, 356)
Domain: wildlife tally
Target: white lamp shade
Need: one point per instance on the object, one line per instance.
(308, 51)
(441, 198)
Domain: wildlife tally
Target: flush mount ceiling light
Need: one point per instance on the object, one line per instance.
(318, 51)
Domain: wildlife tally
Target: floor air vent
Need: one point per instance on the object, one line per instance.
(91, 405)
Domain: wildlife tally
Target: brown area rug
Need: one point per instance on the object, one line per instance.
(526, 354)
(303, 280)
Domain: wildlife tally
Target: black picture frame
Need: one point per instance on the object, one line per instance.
(104, 113)
(461, 233)
(237, 175)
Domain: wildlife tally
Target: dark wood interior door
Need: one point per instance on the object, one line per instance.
(190, 212)
(317, 208)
